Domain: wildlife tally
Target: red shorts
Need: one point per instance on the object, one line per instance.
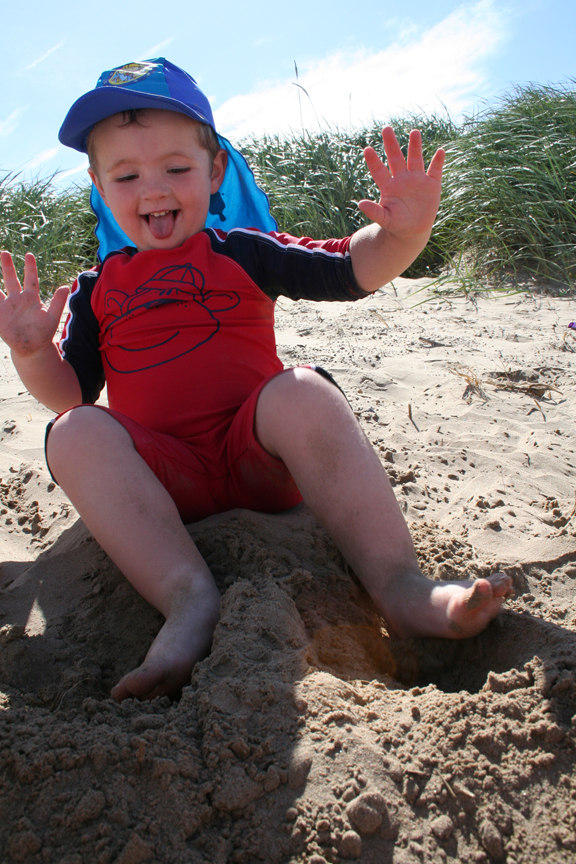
(213, 475)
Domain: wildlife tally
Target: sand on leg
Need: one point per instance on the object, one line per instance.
(305, 420)
(131, 515)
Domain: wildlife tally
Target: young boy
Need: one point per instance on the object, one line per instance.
(202, 416)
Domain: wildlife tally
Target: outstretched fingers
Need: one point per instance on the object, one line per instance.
(378, 170)
(396, 164)
(27, 323)
(31, 282)
(436, 165)
(9, 276)
(57, 303)
(12, 283)
(382, 175)
(13, 286)
(415, 159)
(394, 156)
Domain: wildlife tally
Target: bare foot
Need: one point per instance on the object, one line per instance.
(450, 610)
(184, 639)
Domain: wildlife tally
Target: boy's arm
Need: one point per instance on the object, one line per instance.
(28, 327)
(403, 217)
(49, 378)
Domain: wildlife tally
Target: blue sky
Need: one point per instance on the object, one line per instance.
(357, 61)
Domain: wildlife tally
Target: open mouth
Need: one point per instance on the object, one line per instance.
(161, 223)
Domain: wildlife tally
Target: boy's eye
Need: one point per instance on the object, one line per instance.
(178, 170)
(125, 178)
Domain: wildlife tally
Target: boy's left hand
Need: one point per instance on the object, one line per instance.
(409, 196)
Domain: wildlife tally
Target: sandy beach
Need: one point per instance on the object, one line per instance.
(308, 735)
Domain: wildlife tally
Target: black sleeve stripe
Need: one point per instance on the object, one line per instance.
(283, 266)
(80, 344)
(287, 242)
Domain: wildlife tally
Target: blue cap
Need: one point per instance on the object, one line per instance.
(157, 83)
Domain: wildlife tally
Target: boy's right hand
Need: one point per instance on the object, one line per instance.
(27, 325)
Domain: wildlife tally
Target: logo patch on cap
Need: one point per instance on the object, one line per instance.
(130, 73)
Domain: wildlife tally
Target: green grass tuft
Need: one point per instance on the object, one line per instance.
(509, 203)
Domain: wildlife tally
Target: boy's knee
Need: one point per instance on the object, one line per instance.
(75, 418)
(80, 427)
(65, 430)
(304, 385)
(298, 396)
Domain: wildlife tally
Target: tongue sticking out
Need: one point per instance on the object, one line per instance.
(161, 226)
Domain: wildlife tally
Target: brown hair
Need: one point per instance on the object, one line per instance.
(207, 137)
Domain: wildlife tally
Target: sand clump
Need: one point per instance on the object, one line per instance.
(308, 734)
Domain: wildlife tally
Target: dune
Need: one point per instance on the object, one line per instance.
(308, 734)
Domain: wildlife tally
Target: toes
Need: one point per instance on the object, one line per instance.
(139, 684)
(148, 683)
(121, 692)
(496, 587)
(501, 585)
(478, 595)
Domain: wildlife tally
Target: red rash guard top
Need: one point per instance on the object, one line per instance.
(183, 336)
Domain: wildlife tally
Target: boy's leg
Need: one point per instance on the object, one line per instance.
(304, 420)
(134, 519)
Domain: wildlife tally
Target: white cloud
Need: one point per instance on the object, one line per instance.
(156, 49)
(8, 125)
(44, 56)
(71, 171)
(42, 158)
(441, 66)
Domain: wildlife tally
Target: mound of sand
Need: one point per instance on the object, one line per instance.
(308, 735)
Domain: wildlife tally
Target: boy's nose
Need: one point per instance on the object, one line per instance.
(155, 188)
(154, 193)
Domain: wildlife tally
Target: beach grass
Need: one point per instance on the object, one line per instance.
(56, 225)
(508, 209)
(507, 215)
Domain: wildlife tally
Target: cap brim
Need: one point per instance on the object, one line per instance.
(103, 102)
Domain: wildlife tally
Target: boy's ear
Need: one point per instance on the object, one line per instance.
(96, 181)
(218, 171)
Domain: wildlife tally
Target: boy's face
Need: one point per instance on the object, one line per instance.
(155, 177)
